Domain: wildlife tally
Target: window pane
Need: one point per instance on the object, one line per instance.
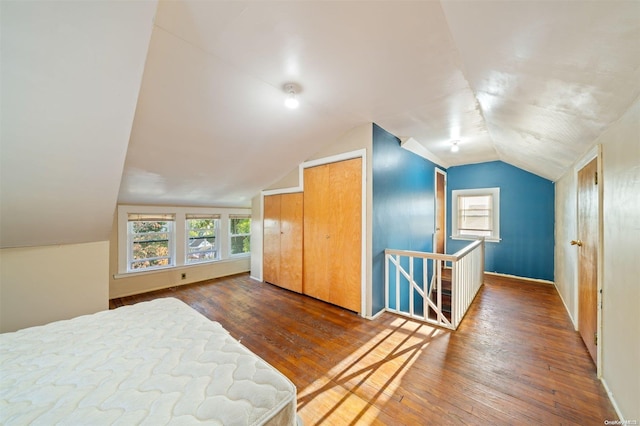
(241, 244)
(481, 202)
(240, 226)
(201, 256)
(474, 215)
(240, 230)
(149, 249)
(150, 243)
(144, 227)
(475, 222)
(201, 239)
(149, 263)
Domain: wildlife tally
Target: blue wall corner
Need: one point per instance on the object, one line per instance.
(527, 215)
(403, 204)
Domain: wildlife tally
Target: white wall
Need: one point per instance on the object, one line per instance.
(566, 255)
(43, 284)
(621, 269)
(620, 338)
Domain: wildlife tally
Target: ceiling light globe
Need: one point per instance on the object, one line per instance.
(291, 102)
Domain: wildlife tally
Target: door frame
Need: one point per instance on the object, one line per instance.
(435, 204)
(365, 290)
(595, 152)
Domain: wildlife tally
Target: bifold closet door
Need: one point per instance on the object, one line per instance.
(271, 239)
(333, 233)
(282, 255)
(291, 236)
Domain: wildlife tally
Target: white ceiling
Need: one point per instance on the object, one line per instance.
(531, 83)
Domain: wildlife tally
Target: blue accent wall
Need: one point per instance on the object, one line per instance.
(403, 205)
(527, 214)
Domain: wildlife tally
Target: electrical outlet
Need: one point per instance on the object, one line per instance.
(183, 276)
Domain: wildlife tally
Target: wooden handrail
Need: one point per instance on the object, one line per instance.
(438, 256)
(466, 250)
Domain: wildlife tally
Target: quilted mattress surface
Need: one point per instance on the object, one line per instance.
(154, 363)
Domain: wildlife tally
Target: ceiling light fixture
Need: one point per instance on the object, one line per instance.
(454, 146)
(291, 101)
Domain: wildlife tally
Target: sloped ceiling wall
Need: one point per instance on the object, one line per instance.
(549, 76)
(71, 74)
(530, 83)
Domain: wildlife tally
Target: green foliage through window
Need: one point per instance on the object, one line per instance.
(240, 230)
(150, 244)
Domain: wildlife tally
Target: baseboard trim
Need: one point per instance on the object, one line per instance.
(613, 401)
(566, 308)
(535, 280)
(254, 278)
(380, 312)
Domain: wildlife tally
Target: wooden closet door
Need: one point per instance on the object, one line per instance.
(346, 234)
(271, 241)
(291, 232)
(332, 232)
(316, 257)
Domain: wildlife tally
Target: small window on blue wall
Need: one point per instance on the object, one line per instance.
(476, 213)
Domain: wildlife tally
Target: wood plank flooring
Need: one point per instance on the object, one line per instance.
(515, 359)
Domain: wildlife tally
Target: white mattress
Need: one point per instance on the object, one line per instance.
(153, 363)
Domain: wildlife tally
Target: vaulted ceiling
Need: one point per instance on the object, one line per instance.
(531, 83)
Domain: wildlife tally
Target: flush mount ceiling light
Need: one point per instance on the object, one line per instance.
(454, 146)
(291, 89)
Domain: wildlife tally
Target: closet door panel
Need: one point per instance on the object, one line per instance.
(291, 236)
(271, 241)
(317, 251)
(346, 235)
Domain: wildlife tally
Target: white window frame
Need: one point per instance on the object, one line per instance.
(216, 233)
(180, 235)
(171, 236)
(495, 212)
(238, 216)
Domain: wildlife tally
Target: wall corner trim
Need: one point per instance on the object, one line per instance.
(573, 321)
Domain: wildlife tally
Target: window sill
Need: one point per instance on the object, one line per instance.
(239, 255)
(177, 268)
(472, 238)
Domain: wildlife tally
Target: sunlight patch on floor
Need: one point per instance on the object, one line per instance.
(370, 376)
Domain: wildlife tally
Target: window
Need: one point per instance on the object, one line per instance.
(476, 213)
(201, 239)
(240, 234)
(150, 240)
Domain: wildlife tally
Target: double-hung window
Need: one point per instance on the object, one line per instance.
(202, 237)
(239, 234)
(476, 213)
(150, 241)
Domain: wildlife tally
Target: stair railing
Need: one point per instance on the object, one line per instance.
(428, 300)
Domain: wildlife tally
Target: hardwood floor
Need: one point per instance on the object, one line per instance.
(515, 359)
